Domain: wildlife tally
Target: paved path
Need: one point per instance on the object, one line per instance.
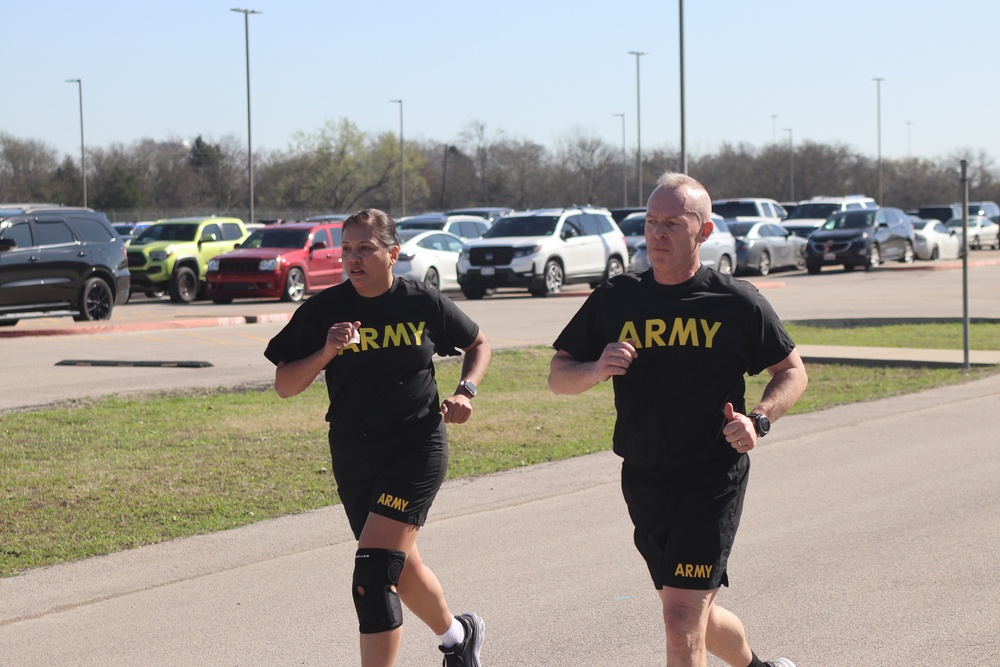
(870, 538)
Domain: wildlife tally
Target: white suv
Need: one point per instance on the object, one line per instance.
(543, 250)
(747, 209)
(811, 213)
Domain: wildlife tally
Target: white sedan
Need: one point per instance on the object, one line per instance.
(429, 257)
(983, 232)
(932, 240)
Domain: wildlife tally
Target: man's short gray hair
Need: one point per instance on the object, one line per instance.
(672, 180)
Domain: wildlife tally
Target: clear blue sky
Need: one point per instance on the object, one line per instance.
(537, 70)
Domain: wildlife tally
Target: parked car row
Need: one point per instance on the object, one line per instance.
(57, 260)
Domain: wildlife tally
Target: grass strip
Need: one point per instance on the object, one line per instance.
(97, 476)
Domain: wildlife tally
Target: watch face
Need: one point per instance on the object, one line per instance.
(762, 424)
(469, 387)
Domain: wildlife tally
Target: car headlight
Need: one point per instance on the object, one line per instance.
(464, 254)
(525, 252)
(213, 265)
(161, 255)
(267, 265)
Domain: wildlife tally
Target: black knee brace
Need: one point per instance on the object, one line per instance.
(376, 573)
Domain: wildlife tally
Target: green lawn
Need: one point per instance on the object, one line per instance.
(115, 473)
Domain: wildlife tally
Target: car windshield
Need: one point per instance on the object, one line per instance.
(850, 220)
(407, 234)
(420, 224)
(735, 209)
(534, 225)
(167, 231)
(739, 229)
(275, 237)
(633, 226)
(919, 224)
(957, 222)
(813, 211)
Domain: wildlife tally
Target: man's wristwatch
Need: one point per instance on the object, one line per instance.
(761, 424)
(468, 388)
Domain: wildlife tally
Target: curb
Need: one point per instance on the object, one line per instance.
(151, 326)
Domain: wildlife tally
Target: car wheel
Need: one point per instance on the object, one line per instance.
(726, 265)
(432, 279)
(935, 253)
(996, 244)
(814, 269)
(96, 301)
(907, 253)
(874, 258)
(154, 293)
(183, 285)
(615, 268)
(222, 300)
(473, 293)
(976, 245)
(764, 264)
(553, 279)
(295, 286)
(800, 261)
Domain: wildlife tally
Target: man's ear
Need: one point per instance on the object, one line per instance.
(706, 229)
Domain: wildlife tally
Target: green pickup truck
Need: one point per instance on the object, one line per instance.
(172, 255)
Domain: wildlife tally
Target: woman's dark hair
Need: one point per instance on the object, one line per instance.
(382, 225)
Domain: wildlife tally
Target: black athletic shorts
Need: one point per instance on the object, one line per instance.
(396, 476)
(685, 524)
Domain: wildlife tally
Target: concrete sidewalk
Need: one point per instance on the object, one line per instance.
(868, 539)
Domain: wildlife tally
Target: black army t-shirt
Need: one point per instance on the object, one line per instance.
(695, 341)
(386, 381)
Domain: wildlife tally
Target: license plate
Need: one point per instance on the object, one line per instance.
(487, 271)
(829, 256)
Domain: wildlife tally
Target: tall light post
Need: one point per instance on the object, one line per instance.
(402, 159)
(791, 164)
(638, 122)
(684, 157)
(83, 158)
(878, 110)
(246, 32)
(774, 128)
(624, 163)
(909, 145)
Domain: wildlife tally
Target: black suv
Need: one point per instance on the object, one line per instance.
(861, 238)
(57, 260)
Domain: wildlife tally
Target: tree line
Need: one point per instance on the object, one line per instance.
(340, 168)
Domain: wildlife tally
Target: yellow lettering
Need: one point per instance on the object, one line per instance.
(710, 331)
(689, 570)
(382, 499)
(679, 572)
(368, 336)
(418, 331)
(629, 333)
(396, 336)
(654, 331)
(683, 331)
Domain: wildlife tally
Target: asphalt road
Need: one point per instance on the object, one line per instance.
(232, 355)
(870, 535)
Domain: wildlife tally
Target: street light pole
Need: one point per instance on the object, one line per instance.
(83, 159)
(909, 145)
(402, 159)
(624, 163)
(638, 123)
(774, 128)
(246, 33)
(684, 158)
(878, 107)
(791, 164)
